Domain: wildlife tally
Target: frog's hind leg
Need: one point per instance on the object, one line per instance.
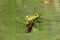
(30, 26)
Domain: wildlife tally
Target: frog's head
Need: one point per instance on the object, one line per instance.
(37, 15)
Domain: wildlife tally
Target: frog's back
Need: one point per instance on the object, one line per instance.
(30, 18)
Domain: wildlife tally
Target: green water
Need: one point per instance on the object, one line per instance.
(13, 13)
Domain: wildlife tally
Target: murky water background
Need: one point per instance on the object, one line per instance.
(13, 13)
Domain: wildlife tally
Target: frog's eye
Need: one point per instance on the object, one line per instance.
(35, 15)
